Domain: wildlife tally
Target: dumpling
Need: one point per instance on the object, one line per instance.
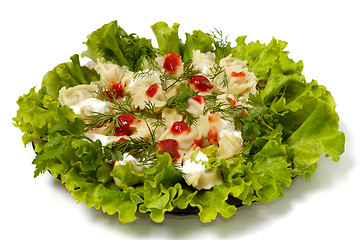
(91, 106)
(230, 143)
(80, 99)
(74, 95)
(203, 61)
(184, 138)
(195, 105)
(173, 67)
(195, 173)
(113, 73)
(241, 82)
(147, 89)
(170, 116)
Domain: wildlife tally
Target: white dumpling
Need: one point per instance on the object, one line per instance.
(185, 140)
(241, 82)
(74, 95)
(113, 73)
(210, 122)
(203, 61)
(80, 99)
(229, 144)
(143, 128)
(140, 94)
(170, 116)
(195, 105)
(179, 67)
(104, 139)
(196, 175)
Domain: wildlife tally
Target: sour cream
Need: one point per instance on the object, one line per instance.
(91, 105)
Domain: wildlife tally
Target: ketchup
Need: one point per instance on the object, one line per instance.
(232, 102)
(115, 92)
(212, 135)
(123, 128)
(171, 62)
(179, 127)
(201, 83)
(214, 117)
(199, 98)
(152, 90)
(170, 146)
(197, 143)
(238, 74)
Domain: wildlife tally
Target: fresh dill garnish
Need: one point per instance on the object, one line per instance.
(142, 148)
(229, 110)
(120, 106)
(149, 66)
(221, 44)
(189, 70)
(179, 102)
(215, 71)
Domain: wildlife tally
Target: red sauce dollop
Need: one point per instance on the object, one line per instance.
(197, 143)
(212, 135)
(179, 127)
(152, 90)
(123, 128)
(171, 62)
(199, 98)
(115, 92)
(170, 146)
(201, 83)
(238, 74)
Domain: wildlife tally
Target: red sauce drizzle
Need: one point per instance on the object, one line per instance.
(212, 135)
(201, 83)
(232, 102)
(115, 92)
(123, 128)
(238, 74)
(214, 117)
(171, 62)
(170, 146)
(199, 98)
(123, 140)
(197, 143)
(179, 127)
(152, 90)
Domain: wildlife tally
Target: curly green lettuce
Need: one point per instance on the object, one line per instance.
(291, 123)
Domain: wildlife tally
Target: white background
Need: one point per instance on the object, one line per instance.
(35, 36)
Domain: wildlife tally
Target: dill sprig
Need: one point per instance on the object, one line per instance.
(142, 148)
(120, 106)
(179, 102)
(152, 65)
(229, 111)
(215, 71)
(189, 70)
(221, 44)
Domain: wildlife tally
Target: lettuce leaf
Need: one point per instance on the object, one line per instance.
(317, 135)
(197, 41)
(167, 38)
(38, 117)
(160, 187)
(112, 43)
(67, 75)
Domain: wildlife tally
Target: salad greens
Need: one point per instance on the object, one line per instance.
(291, 123)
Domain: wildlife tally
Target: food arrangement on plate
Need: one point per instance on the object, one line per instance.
(196, 126)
